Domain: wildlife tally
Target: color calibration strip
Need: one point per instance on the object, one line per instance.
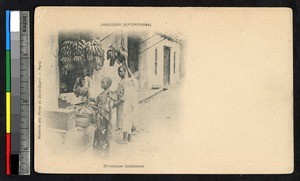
(8, 88)
(17, 93)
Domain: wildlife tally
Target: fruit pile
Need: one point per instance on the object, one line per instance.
(79, 53)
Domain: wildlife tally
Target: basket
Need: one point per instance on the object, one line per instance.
(83, 120)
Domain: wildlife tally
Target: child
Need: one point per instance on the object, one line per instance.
(82, 90)
(124, 108)
(103, 106)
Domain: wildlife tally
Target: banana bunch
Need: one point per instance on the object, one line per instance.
(78, 58)
(66, 60)
(66, 49)
(67, 67)
(66, 64)
(78, 48)
(75, 53)
(72, 48)
(94, 53)
(122, 57)
(93, 48)
(71, 51)
(98, 63)
(117, 52)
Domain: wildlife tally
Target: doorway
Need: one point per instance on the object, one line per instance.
(166, 81)
(133, 53)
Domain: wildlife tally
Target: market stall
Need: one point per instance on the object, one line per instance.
(72, 125)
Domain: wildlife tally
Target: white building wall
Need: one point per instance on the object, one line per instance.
(174, 76)
(150, 56)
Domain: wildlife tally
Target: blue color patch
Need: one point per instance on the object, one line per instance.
(7, 32)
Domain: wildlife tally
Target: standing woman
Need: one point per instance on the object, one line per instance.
(124, 107)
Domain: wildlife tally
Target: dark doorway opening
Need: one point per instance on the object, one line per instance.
(166, 66)
(133, 53)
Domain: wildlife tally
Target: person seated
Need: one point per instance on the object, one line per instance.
(82, 90)
(88, 80)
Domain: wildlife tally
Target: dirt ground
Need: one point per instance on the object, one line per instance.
(158, 120)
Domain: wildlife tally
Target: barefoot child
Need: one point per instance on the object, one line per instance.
(103, 106)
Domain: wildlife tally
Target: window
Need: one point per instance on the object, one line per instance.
(155, 63)
(174, 62)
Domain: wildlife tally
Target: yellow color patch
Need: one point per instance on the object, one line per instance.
(8, 113)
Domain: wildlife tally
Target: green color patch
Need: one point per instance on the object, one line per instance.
(7, 71)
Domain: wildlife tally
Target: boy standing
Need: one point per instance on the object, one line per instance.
(103, 105)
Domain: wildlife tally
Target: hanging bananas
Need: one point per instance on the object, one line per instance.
(95, 53)
(76, 53)
(117, 53)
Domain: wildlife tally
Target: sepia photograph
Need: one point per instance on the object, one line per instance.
(144, 90)
(116, 91)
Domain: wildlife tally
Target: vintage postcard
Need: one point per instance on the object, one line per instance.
(163, 90)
